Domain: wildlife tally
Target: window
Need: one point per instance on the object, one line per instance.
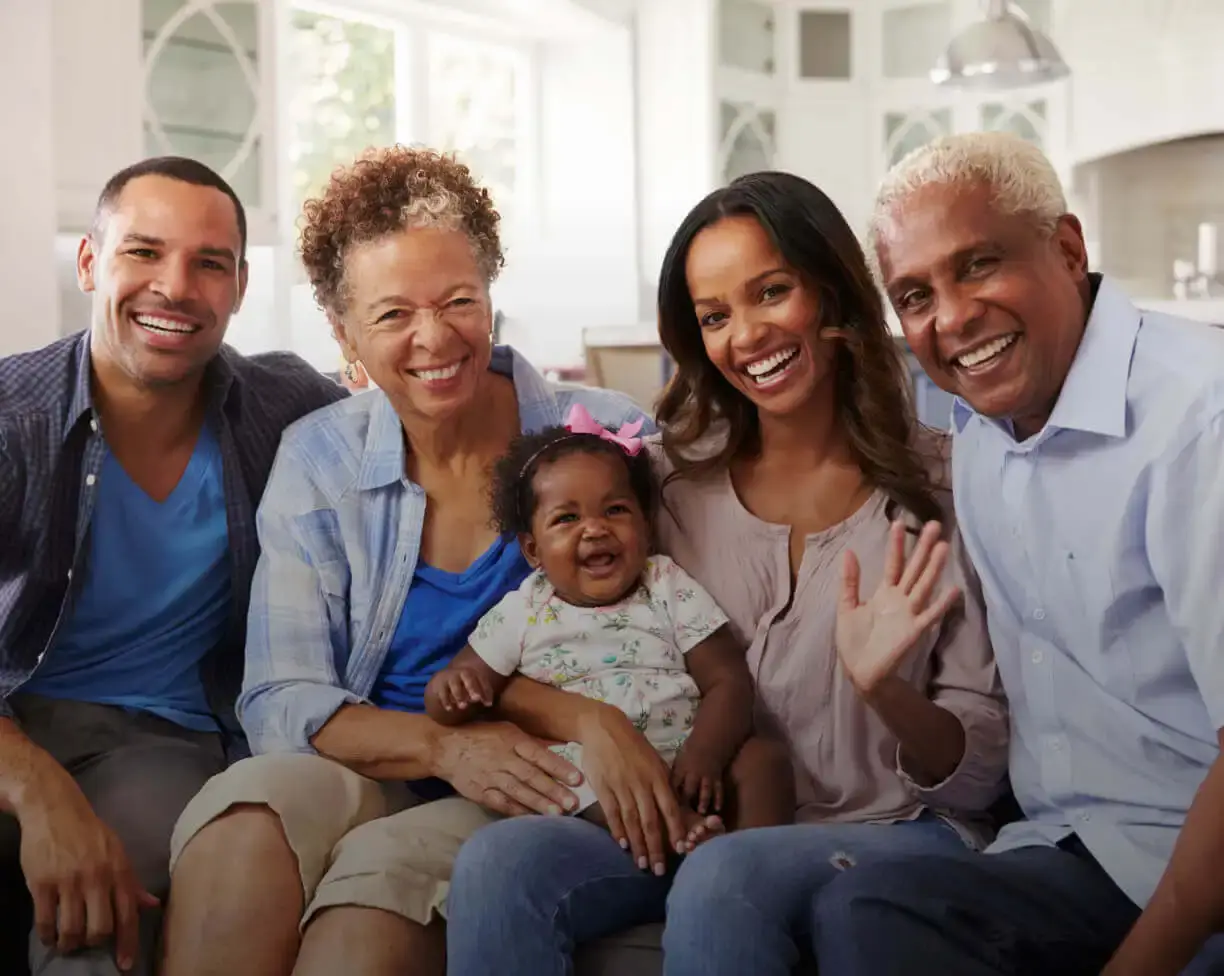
(341, 96)
(357, 82)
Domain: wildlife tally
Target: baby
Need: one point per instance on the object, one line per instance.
(602, 617)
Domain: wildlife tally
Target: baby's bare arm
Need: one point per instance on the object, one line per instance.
(463, 689)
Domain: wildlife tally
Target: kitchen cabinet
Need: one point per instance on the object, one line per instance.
(138, 78)
(838, 90)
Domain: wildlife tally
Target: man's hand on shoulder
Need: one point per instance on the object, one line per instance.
(82, 884)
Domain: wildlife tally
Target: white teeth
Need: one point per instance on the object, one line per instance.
(983, 353)
(163, 325)
(763, 366)
(432, 375)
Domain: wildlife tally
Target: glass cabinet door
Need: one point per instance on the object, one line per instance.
(205, 89)
(746, 31)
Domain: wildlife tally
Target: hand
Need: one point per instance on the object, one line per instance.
(698, 778)
(873, 637)
(79, 876)
(633, 785)
(501, 767)
(458, 689)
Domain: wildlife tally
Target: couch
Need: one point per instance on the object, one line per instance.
(632, 953)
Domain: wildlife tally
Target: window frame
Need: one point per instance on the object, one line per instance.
(414, 23)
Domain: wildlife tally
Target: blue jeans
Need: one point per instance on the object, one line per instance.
(745, 903)
(1048, 910)
(526, 891)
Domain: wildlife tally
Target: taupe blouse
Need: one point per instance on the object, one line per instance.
(847, 763)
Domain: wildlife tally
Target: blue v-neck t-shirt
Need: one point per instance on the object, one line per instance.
(155, 599)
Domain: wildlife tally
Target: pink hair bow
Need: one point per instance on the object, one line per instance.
(580, 421)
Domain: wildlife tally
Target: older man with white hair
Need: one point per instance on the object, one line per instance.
(1089, 443)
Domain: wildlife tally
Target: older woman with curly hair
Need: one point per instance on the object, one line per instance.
(330, 850)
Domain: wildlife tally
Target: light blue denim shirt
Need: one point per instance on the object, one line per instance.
(1100, 549)
(340, 531)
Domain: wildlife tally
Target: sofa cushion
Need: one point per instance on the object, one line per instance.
(635, 952)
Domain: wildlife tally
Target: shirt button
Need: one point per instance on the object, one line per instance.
(1038, 657)
(90, 480)
(93, 425)
(1039, 614)
(1056, 745)
(1085, 817)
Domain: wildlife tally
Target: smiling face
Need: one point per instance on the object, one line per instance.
(164, 270)
(417, 315)
(759, 321)
(993, 308)
(588, 531)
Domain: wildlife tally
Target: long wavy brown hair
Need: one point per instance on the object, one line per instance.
(873, 394)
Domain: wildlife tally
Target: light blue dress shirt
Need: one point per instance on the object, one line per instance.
(1100, 545)
(340, 532)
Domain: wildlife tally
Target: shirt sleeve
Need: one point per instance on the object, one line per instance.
(1185, 512)
(964, 681)
(498, 637)
(692, 611)
(612, 409)
(297, 627)
(12, 481)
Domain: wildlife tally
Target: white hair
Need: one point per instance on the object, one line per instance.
(1021, 179)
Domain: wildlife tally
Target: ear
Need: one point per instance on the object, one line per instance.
(531, 551)
(1069, 241)
(343, 338)
(86, 265)
(243, 274)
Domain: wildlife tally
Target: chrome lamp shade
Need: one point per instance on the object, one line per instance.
(1001, 52)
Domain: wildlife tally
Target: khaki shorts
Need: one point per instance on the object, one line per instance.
(358, 842)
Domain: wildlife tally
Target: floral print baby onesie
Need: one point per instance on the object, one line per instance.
(630, 654)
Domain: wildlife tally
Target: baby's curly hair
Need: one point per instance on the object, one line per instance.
(513, 495)
(387, 190)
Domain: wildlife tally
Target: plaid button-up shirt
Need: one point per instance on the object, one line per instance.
(51, 452)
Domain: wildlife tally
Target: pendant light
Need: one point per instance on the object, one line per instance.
(1002, 51)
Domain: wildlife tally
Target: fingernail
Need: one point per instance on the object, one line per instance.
(643, 863)
(624, 844)
(570, 803)
(554, 810)
(660, 870)
(575, 778)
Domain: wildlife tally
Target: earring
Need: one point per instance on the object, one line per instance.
(350, 372)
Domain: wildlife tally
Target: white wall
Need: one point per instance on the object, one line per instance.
(676, 124)
(27, 178)
(1142, 71)
(810, 119)
(579, 268)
